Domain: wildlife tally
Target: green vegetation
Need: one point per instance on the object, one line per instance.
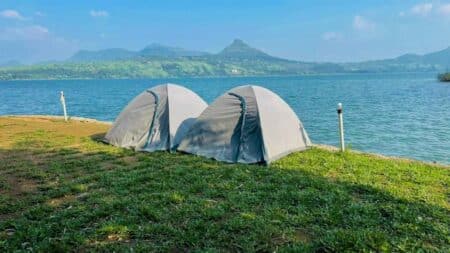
(61, 190)
(444, 77)
(237, 59)
(150, 68)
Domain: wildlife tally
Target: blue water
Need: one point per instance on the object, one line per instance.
(404, 115)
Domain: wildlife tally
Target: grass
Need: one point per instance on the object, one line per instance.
(60, 190)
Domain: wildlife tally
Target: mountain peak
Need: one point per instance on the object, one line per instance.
(238, 42)
(239, 49)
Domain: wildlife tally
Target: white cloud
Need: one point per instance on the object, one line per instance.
(422, 9)
(11, 14)
(362, 24)
(39, 14)
(444, 9)
(426, 9)
(327, 36)
(32, 32)
(99, 13)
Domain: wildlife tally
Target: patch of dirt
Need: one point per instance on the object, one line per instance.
(129, 160)
(19, 186)
(117, 237)
(56, 202)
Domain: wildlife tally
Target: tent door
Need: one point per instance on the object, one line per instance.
(151, 130)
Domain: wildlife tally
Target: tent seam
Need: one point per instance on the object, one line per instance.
(243, 117)
(150, 131)
(168, 118)
(263, 148)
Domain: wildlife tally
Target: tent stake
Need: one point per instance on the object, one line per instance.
(341, 126)
(63, 102)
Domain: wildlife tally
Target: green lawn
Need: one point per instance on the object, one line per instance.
(61, 190)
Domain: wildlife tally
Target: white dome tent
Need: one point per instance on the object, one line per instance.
(156, 119)
(247, 124)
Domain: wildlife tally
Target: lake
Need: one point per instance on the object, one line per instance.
(405, 115)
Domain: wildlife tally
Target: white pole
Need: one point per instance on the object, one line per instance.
(341, 126)
(63, 102)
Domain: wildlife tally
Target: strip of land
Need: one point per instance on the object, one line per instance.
(61, 189)
(237, 59)
(444, 77)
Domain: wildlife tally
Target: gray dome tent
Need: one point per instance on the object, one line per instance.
(156, 119)
(248, 124)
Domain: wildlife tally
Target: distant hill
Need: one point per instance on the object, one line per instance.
(239, 49)
(158, 50)
(237, 59)
(153, 50)
(440, 57)
(435, 61)
(103, 55)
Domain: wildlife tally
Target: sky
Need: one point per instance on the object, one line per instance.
(320, 30)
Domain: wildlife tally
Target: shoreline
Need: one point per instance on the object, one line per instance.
(56, 117)
(315, 145)
(228, 76)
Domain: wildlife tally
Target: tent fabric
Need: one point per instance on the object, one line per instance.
(247, 124)
(156, 119)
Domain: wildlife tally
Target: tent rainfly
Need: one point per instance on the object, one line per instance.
(156, 119)
(247, 124)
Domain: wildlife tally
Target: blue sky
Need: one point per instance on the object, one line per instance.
(321, 30)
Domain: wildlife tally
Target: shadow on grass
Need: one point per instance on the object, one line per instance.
(98, 137)
(103, 198)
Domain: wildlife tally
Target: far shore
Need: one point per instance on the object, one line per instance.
(225, 76)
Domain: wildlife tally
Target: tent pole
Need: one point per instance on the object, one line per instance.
(63, 103)
(341, 126)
